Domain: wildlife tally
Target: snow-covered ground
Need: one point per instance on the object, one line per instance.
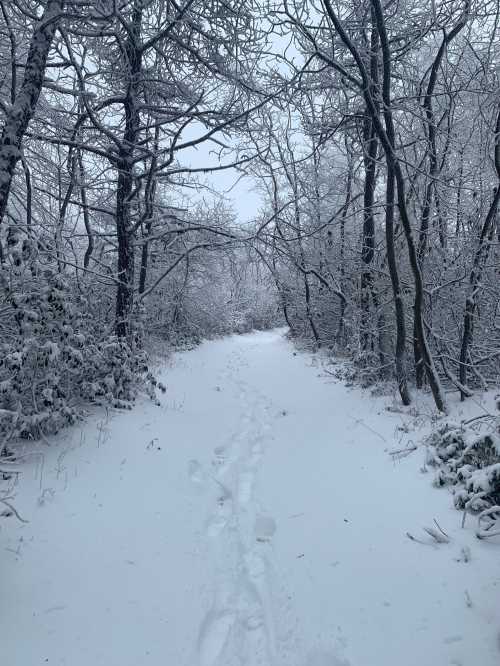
(256, 518)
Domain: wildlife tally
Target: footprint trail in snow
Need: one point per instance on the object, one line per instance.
(240, 627)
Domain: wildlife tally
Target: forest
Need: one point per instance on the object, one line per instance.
(180, 171)
(371, 133)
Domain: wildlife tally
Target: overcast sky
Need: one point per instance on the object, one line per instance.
(237, 190)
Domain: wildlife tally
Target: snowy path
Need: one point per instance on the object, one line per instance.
(255, 519)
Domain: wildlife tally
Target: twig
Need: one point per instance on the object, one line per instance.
(485, 532)
(361, 422)
(440, 529)
(403, 452)
(478, 418)
(424, 543)
(464, 517)
(437, 536)
(3, 500)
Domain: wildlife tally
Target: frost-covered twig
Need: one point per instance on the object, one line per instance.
(424, 543)
(491, 518)
(4, 500)
(481, 417)
(402, 453)
(439, 537)
(365, 425)
(441, 529)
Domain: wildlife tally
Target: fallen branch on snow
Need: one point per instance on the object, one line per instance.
(4, 500)
(402, 453)
(438, 535)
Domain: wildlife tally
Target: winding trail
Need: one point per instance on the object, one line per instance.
(255, 519)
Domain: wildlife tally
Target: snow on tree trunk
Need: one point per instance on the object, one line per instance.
(24, 106)
(125, 188)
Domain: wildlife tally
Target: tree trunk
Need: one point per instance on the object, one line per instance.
(341, 331)
(430, 189)
(370, 150)
(85, 208)
(149, 198)
(125, 186)
(400, 352)
(388, 139)
(480, 258)
(23, 108)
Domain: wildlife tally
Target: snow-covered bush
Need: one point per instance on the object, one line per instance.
(56, 353)
(468, 459)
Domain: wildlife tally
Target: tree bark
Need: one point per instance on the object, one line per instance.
(388, 139)
(85, 208)
(480, 257)
(24, 105)
(125, 186)
(149, 199)
(400, 351)
(430, 189)
(341, 331)
(370, 150)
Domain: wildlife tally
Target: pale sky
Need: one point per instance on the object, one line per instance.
(239, 191)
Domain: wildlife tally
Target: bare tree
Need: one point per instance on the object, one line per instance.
(25, 99)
